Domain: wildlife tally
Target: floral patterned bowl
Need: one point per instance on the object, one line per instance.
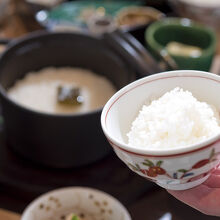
(87, 203)
(174, 168)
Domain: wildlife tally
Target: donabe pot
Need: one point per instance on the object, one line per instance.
(57, 140)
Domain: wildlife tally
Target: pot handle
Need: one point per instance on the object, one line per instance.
(133, 52)
(137, 55)
(5, 41)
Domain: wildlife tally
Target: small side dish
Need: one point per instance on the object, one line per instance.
(131, 17)
(78, 13)
(75, 203)
(191, 45)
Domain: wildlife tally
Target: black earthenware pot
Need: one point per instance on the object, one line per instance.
(57, 140)
(63, 141)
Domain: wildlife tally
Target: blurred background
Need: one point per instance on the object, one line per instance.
(155, 26)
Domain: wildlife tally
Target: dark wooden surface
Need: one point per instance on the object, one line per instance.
(21, 182)
(23, 179)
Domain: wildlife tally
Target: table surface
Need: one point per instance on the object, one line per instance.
(143, 202)
(21, 182)
(154, 205)
(7, 215)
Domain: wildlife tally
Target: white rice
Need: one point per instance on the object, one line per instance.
(176, 119)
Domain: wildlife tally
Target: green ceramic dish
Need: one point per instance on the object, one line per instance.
(185, 31)
(71, 13)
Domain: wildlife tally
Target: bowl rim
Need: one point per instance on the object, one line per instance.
(43, 4)
(180, 22)
(76, 188)
(178, 151)
(203, 6)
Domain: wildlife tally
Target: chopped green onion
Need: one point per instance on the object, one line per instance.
(75, 217)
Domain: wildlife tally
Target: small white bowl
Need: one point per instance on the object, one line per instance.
(79, 200)
(175, 168)
(46, 3)
(207, 12)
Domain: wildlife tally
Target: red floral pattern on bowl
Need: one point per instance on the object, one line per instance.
(155, 169)
(159, 170)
